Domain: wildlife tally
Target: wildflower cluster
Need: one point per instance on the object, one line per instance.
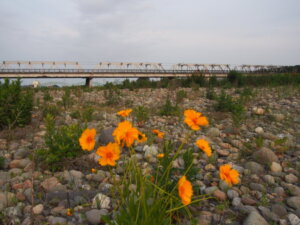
(126, 136)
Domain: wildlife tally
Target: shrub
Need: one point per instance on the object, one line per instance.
(141, 113)
(211, 94)
(47, 96)
(168, 109)
(66, 98)
(15, 104)
(87, 114)
(50, 109)
(224, 102)
(235, 78)
(112, 96)
(180, 95)
(62, 143)
(2, 162)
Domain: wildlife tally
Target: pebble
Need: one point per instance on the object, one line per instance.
(101, 201)
(220, 195)
(38, 209)
(254, 167)
(291, 178)
(232, 194)
(269, 179)
(94, 216)
(294, 220)
(276, 167)
(259, 130)
(265, 156)
(294, 202)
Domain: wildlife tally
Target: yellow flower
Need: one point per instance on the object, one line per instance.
(109, 154)
(159, 133)
(229, 175)
(204, 146)
(87, 139)
(125, 134)
(194, 119)
(93, 170)
(185, 190)
(161, 155)
(125, 112)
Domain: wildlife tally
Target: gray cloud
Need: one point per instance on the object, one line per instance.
(233, 31)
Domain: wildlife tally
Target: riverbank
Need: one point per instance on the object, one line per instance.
(263, 146)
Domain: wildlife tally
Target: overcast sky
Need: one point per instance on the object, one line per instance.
(167, 31)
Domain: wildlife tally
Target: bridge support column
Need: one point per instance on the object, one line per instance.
(88, 82)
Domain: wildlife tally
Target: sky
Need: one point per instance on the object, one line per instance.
(166, 31)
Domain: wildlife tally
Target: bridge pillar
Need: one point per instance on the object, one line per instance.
(88, 82)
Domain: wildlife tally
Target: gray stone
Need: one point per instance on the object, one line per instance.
(94, 216)
(291, 178)
(254, 167)
(236, 201)
(21, 153)
(213, 132)
(279, 210)
(232, 194)
(255, 218)
(268, 214)
(294, 220)
(247, 209)
(257, 187)
(294, 190)
(205, 218)
(269, 179)
(265, 156)
(210, 190)
(106, 136)
(56, 220)
(294, 202)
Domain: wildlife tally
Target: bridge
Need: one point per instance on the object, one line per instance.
(53, 69)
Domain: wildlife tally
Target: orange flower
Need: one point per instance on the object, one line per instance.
(229, 175)
(93, 170)
(142, 137)
(204, 146)
(69, 212)
(185, 190)
(159, 133)
(125, 134)
(109, 154)
(194, 119)
(161, 155)
(87, 139)
(125, 112)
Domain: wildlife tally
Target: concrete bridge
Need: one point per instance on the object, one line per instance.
(50, 69)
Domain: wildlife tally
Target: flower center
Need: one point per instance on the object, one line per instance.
(109, 155)
(89, 139)
(182, 190)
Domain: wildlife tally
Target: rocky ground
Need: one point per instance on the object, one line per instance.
(265, 149)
